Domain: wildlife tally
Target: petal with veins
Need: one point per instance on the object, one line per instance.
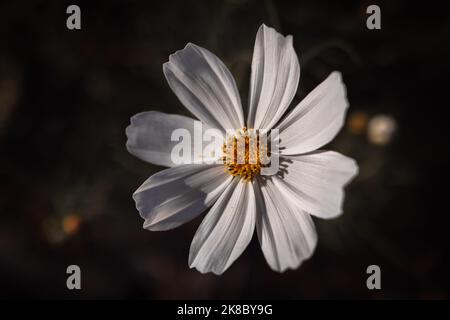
(287, 234)
(149, 136)
(205, 87)
(226, 230)
(176, 195)
(274, 78)
(317, 119)
(317, 181)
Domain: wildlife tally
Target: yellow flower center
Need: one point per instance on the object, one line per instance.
(242, 154)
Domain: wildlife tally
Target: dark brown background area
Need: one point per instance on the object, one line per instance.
(66, 179)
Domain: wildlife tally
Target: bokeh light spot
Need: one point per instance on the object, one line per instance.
(381, 129)
(357, 122)
(71, 223)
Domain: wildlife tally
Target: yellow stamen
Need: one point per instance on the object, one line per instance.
(241, 154)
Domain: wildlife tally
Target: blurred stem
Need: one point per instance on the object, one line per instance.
(273, 15)
(341, 45)
(381, 245)
(216, 29)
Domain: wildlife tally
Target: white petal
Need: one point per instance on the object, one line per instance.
(176, 195)
(226, 230)
(205, 87)
(274, 78)
(317, 180)
(287, 234)
(149, 135)
(317, 119)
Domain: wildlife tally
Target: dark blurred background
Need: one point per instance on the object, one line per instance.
(66, 178)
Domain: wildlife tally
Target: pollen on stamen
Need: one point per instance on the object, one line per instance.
(242, 154)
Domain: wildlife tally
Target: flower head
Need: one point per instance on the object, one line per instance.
(239, 195)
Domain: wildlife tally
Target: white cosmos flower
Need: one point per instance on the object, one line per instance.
(279, 206)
